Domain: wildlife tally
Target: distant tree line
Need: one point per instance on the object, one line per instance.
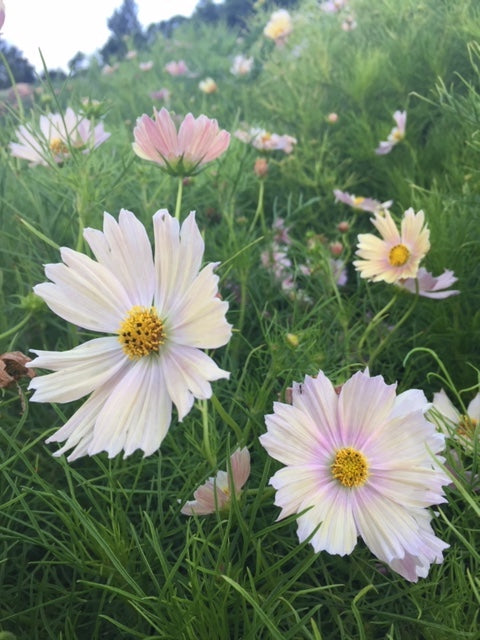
(126, 31)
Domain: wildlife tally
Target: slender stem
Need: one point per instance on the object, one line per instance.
(206, 433)
(259, 212)
(16, 328)
(402, 320)
(178, 204)
(375, 320)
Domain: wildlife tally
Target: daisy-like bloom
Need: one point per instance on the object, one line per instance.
(359, 462)
(397, 134)
(263, 140)
(176, 68)
(241, 65)
(56, 136)
(199, 141)
(146, 66)
(208, 85)
(217, 492)
(359, 202)
(430, 286)
(464, 427)
(397, 255)
(279, 27)
(161, 309)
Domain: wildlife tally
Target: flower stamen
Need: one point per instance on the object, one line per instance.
(57, 145)
(399, 255)
(350, 467)
(142, 332)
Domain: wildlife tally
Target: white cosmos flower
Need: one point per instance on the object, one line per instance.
(162, 309)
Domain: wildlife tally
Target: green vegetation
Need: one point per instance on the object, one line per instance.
(98, 548)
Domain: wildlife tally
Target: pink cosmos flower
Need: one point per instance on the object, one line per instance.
(198, 141)
(131, 55)
(108, 69)
(333, 6)
(397, 134)
(430, 286)
(359, 463)
(162, 95)
(57, 135)
(397, 255)
(359, 202)
(265, 141)
(241, 65)
(176, 68)
(217, 492)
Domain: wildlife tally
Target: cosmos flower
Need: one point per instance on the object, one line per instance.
(208, 85)
(108, 69)
(397, 134)
(333, 6)
(241, 65)
(199, 141)
(146, 66)
(359, 462)
(263, 140)
(397, 255)
(217, 492)
(464, 427)
(359, 202)
(176, 68)
(57, 135)
(159, 310)
(131, 55)
(163, 95)
(430, 286)
(279, 27)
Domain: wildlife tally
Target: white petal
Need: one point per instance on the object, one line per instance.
(85, 293)
(124, 249)
(137, 414)
(78, 372)
(198, 318)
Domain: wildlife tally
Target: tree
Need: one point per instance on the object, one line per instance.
(124, 25)
(20, 67)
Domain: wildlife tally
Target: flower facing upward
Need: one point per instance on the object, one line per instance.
(161, 309)
(208, 85)
(397, 134)
(241, 65)
(279, 27)
(198, 141)
(397, 255)
(359, 202)
(464, 427)
(217, 492)
(430, 286)
(359, 462)
(57, 136)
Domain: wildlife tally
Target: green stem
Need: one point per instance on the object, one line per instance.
(402, 320)
(206, 433)
(259, 212)
(178, 204)
(16, 328)
(375, 320)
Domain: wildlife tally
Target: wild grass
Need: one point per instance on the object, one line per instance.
(98, 548)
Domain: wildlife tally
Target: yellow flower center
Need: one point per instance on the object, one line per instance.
(466, 426)
(357, 201)
(397, 135)
(57, 145)
(142, 332)
(350, 467)
(399, 255)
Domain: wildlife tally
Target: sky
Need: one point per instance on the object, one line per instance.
(61, 28)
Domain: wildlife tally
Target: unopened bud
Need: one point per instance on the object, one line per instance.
(261, 167)
(343, 226)
(332, 118)
(336, 248)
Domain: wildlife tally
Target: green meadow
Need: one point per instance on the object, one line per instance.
(97, 547)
